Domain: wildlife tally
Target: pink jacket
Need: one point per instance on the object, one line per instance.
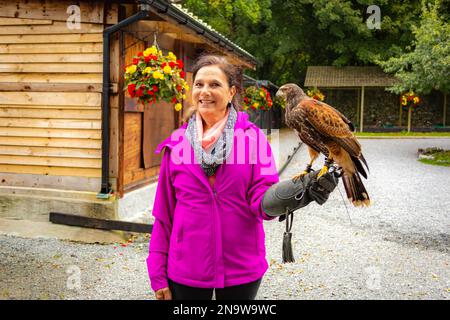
(211, 237)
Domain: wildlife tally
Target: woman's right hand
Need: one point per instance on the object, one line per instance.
(163, 294)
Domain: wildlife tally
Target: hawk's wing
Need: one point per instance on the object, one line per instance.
(330, 123)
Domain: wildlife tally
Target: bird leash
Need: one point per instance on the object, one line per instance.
(338, 171)
(288, 254)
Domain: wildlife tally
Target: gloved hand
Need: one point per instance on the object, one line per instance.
(294, 195)
(320, 189)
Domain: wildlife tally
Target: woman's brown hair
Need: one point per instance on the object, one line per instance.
(232, 72)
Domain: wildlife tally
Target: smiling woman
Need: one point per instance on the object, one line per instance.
(208, 233)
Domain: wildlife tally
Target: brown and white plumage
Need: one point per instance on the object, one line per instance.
(325, 130)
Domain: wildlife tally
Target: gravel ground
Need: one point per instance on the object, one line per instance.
(396, 249)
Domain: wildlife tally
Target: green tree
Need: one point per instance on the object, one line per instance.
(426, 65)
(288, 35)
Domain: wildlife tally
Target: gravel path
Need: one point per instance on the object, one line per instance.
(396, 249)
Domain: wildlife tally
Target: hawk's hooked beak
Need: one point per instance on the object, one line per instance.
(279, 94)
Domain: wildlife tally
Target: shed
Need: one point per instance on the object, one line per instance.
(356, 78)
(71, 141)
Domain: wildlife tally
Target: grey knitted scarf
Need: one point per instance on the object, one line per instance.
(222, 148)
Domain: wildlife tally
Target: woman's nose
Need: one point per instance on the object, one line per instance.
(205, 90)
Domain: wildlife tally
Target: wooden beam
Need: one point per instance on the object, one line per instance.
(361, 122)
(88, 222)
(56, 87)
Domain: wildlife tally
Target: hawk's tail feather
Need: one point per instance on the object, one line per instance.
(356, 192)
(361, 157)
(359, 166)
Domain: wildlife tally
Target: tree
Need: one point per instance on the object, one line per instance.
(288, 35)
(426, 65)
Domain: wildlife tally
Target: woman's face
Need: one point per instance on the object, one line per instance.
(211, 92)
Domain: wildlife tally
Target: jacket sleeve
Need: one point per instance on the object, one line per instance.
(264, 174)
(163, 210)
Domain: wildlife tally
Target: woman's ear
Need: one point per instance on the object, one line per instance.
(232, 92)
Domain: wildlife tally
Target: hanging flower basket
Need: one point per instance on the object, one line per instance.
(257, 98)
(153, 77)
(409, 100)
(315, 94)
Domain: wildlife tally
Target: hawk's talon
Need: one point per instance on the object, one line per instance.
(298, 176)
(323, 171)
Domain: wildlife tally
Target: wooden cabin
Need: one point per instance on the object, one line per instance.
(71, 140)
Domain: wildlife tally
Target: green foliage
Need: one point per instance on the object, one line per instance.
(286, 36)
(426, 66)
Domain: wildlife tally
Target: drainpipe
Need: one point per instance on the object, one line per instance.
(105, 191)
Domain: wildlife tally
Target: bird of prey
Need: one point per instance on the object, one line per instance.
(325, 130)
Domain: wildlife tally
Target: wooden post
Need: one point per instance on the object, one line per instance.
(409, 118)
(361, 122)
(445, 109)
(358, 104)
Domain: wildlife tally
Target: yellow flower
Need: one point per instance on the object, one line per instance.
(178, 106)
(261, 93)
(131, 69)
(416, 100)
(171, 57)
(147, 70)
(186, 87)
(184, 96)
(158, 75)
(167, 69)
(256, 104)
(149, 51)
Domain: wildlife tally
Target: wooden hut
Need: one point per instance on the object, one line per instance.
(352, 78)
(71, 141)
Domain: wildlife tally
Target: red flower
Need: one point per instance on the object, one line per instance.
(172, 64)
(180, 64)
(140, 54)
(139, 92)
(136, 60)
(155, 88)
(150, 92)
(147, 59)
(131, 88)
(153, 57)
(163, 65)
(182, 74)
(179, 88)
(174, 100)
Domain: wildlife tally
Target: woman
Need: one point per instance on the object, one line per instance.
(208, 231)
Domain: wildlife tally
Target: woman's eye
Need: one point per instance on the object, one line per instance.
(198, 85)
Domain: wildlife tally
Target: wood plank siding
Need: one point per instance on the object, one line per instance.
(50, 93)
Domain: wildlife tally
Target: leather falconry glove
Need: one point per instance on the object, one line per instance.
(284, 197)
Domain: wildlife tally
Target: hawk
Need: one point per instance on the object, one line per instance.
(325, 130)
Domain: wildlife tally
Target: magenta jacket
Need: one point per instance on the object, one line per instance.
(211, 237)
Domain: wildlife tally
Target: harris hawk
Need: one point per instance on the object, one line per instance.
(325, 130)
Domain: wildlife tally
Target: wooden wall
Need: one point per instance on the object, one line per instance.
(50, 94)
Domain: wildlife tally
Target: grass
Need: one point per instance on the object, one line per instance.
(402, 134)
(441, 158)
